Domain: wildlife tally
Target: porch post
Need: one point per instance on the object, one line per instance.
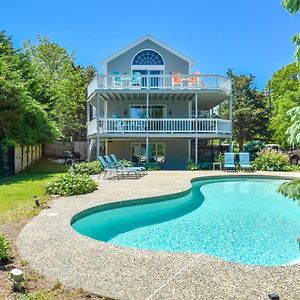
(230, 118)
(189, 147)
(106, 146)
(98, 146)
(147, 149)
(196, 127)
(98, 122)
(105, 115)
(190, 108)
(88, 143)
(196, 150)
(87, 111)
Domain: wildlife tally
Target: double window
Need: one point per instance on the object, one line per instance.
(156, 153)
(155, 111)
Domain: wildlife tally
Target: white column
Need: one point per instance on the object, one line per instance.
(230, 118)
(88, 143)
(106, 146)
(196, 139)
(189, 147)
(105, 115)
(196, 150)
(97, 117)
(190, 108)
(147, 149)
(87, 112)
(98, 146)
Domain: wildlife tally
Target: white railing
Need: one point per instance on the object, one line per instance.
(160, 82)
(162, 126)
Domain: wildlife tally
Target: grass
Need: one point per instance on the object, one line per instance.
(17, 191)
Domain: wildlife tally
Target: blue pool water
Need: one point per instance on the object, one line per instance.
(243, 220)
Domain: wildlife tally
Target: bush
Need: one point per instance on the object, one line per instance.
(220, 158)
(191, 166)
(270, 160)
(253, 147)
(90, 168)
(70, 184)
(125, 163)
(152, 166)
(5, 248)
(291, 189)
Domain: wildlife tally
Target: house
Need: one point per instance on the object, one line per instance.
(149, 106)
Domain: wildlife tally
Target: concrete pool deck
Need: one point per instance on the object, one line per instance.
(54, 249)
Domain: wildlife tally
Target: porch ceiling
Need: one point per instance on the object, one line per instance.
(206, 100)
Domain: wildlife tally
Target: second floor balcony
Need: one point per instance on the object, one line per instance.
(165, 82)
(163, 127)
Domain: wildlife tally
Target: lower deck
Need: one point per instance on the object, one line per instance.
(167, 153)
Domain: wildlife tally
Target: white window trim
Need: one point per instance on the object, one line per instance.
(148, 67)
(141, 143)
(164, 105)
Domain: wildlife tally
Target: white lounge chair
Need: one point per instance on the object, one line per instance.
(244, 158)
(229, 161)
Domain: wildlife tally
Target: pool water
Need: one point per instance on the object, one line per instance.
(243, 220)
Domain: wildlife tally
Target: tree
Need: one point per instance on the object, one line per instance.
(293, 7)
(250, 113)
(65, 85)
(284, 89)
(23, 119)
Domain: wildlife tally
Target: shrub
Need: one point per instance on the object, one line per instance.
(5, 248)
(152, 166)
(253, 147)
(191, 166)
(70, 184)
(291, 189)
(270, 160)
(220, 158)
(125, 163)
(90, 168)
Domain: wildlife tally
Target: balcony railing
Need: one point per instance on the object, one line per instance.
(159, 82)
(161, 126)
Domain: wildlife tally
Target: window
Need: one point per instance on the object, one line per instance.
(156, 153)
(140, 111)
(148, 57)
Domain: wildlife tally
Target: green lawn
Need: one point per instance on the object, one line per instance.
(17, 191)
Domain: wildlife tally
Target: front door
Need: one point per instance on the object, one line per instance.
(150, 78)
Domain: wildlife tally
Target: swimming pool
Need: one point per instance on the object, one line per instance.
(239, 219)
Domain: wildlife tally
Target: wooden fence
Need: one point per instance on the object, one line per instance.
(26, 156)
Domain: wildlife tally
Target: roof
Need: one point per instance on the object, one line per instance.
(154, 40)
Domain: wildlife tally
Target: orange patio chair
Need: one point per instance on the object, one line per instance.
(176, 79)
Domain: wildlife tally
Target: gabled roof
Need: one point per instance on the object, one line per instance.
(152, 39)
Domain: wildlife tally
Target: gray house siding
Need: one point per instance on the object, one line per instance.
(173, 63)
(175, 160)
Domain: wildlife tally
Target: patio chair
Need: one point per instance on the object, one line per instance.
(194, 80)
(244, 158)
(229, 164)
(117, 79)
(123, 170)
(177, 79)
(107, 169)
(118, 164)
(135, 80)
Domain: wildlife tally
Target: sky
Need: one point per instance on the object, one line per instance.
(247, 36)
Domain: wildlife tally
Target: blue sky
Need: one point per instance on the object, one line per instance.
(248, 36)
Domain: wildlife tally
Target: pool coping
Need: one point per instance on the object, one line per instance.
(54, 249)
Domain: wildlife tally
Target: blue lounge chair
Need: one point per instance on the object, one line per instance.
(107, 169)
(229, 161)
(123, 170)
(118, 164)
(117, 79)
(244, 158)
(135, 79)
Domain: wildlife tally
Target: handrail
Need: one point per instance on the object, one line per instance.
(167, 126)
(160, 82)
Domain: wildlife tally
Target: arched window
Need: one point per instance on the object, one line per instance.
(148, 57)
